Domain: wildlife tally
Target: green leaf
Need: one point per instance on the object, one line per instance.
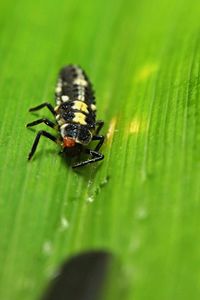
(142, 202)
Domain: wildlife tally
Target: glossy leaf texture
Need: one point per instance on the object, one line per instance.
(142, 202)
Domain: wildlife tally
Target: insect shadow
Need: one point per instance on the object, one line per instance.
(87, 172)
(81, 277)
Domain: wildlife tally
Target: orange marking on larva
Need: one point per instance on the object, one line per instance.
(68, 142)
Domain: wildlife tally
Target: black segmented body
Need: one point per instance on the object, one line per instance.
(75, 114)
(74, 94)
(68, 81)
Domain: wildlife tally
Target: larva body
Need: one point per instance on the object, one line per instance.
(75, 115)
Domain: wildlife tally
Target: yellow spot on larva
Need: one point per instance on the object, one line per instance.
(146, 71)
(56, 108)
(111, 130)
(93, 107)
(79, 118)
(81, 97)
(80, 81)
(79, 105)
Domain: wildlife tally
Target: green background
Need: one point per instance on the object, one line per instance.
(142, 202)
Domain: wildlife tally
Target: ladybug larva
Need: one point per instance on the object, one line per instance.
(75, 117)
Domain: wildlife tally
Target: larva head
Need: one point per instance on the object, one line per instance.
(74, 134)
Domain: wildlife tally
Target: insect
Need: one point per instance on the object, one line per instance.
(75, 117)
